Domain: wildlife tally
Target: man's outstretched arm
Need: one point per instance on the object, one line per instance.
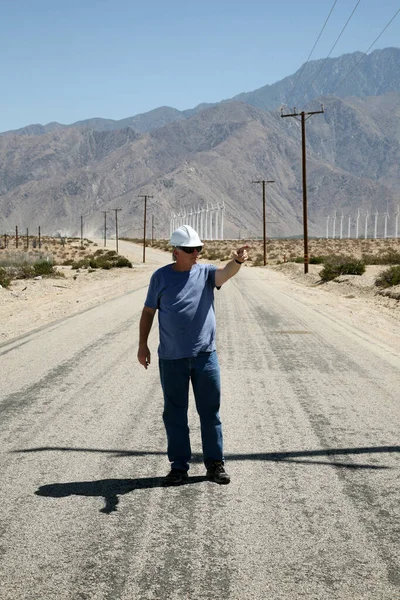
(232, 267)
(146, 321)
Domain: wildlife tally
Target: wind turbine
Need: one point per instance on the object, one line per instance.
(357, 222)
(222, 219)
(386, 217)
(366, 224)
(327, 227)
(334, 226)
(376, 225)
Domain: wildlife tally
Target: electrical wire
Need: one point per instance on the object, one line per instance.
(365, 53)
(309, 56)
(337, 39)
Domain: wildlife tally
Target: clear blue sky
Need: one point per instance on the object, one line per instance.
(72, 60)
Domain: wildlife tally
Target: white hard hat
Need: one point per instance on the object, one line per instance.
(185, 236)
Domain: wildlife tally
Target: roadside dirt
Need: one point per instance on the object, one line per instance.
(29, 304)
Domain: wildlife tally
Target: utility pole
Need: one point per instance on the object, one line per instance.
(304, 116)
(81, 231)
(145, 196)
(116, 226)
(16, 236)
(105, 226)
(40, 239)
(152, 230)
(264, 182)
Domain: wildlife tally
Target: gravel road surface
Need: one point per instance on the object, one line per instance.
(311, 424)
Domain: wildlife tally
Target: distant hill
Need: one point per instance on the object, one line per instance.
(353, 154)
(374, 74)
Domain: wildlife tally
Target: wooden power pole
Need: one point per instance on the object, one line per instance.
(116, 210)
(264, 182)
(303, 118)
(145, 196)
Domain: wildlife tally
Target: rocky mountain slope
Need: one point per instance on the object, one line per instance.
(353, 162)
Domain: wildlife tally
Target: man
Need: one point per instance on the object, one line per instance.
(183, 294)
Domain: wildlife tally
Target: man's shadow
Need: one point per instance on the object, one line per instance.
(109, 489)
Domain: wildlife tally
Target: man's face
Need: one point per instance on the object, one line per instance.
(186, 260)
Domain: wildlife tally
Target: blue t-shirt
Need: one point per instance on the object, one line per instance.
(185, 303)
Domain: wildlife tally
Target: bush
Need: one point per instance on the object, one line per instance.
(123, 262)
(313, 260)
(5, 279)
(317, 260)
(388, 277)
(106, 261)
(83, 263)
(336, 266)
(390, 257)
(43, 268)
(24, 271)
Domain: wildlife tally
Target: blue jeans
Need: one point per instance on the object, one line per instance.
(203, 371)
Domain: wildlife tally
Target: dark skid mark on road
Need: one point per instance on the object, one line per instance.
(290, 456)
(53, 379)
(290, 332)
(109, 489)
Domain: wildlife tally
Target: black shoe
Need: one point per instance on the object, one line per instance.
(175, 477)
(217, 473)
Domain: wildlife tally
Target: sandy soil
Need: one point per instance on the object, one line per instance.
(29, 304)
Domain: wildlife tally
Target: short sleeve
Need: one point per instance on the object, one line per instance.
(153, 292)
(211, 275)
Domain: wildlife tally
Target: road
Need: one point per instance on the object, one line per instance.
(311, 423)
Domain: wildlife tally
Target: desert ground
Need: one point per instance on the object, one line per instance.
(31, 303)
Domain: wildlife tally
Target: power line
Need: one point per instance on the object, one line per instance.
(365, 53)
(337, 39)
(309, 56)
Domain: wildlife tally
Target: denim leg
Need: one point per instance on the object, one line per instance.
(207, 392)
(175, 375)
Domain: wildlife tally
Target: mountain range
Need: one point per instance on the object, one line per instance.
(52, 174)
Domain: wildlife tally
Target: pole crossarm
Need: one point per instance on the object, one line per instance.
(308, 114)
